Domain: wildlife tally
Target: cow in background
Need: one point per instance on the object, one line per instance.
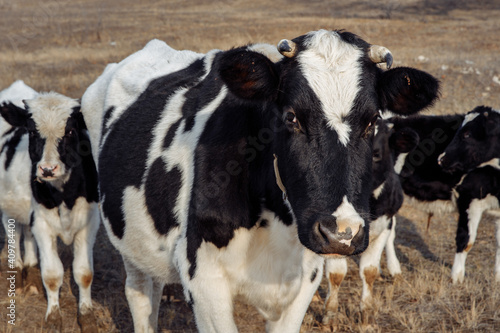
(53, 162)
(385, 201)
(475, 150)
(15, 200)
(236, 175)
(446, 188)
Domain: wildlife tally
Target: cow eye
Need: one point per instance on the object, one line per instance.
(291, 120)
(291, 117)
(70, 133)
(466, 134)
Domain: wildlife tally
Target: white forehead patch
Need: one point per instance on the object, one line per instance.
(332, 69)
(469, 117)
(50, 111)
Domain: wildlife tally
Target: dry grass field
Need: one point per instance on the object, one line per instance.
(64, 45)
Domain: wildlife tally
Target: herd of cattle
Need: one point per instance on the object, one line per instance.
(246, 172)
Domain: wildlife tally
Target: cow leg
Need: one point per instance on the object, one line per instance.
(33, 283)
(468, 222)
(139, 292)
(369, 263)
(393, 264)
(212, 301)
(497, 260)
(83, 272)
(52, 270)
(156, 299)
(292, 317)
(335, 271)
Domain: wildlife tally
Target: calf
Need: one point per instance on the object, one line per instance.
(439, 190)
(475, 149)
(15, 196)
(238, 175)
(385, 201)
(57, 171)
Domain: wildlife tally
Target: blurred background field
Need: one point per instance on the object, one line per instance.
(64, 46)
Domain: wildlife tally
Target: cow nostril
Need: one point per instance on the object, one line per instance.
(347, 234)
(330, 236)
(322, 231)
(48, 171)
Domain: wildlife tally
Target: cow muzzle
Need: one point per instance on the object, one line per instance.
(447, 165)
(48, 171)
(333, 236)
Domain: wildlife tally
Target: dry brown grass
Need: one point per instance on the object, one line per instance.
(64, 45)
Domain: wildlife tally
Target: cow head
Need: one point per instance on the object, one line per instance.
(53, 122)
(326, 94)
(476, 142)
(388, 144)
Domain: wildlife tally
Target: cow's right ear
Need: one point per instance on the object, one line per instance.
(404, 140)
(492, 124)
(249, 75)
(405, 91)
(14, 115)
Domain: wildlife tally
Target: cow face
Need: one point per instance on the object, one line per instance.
(476, 142)
(328, 91)
(53, 122)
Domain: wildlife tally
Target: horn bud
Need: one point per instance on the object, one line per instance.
(287, 48)
(379, 54)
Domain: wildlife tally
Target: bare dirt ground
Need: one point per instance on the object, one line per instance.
(64, 45)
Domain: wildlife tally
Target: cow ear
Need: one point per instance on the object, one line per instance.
(405, 90)
(249, 75)
(77, 114)
(14, 115)
(492, 123)
(404, 140)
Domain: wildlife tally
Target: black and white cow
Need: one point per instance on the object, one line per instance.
(191, 148)
(438, 190)
(52, 159)
(476, 143)
(385, 201)
(475, 149)
(15, 200)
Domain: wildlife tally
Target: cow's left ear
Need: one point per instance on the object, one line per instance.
(405, 90)
(249, 75)
(14, 115)
(77, 114)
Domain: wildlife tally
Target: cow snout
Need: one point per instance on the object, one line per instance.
(47, 170)
(447, 165)
(339, 236)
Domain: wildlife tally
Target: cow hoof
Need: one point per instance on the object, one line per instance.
(328, 317)
(19, 280)
(368, 316)
(54, 320)
(87, 321)
(32, 280)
